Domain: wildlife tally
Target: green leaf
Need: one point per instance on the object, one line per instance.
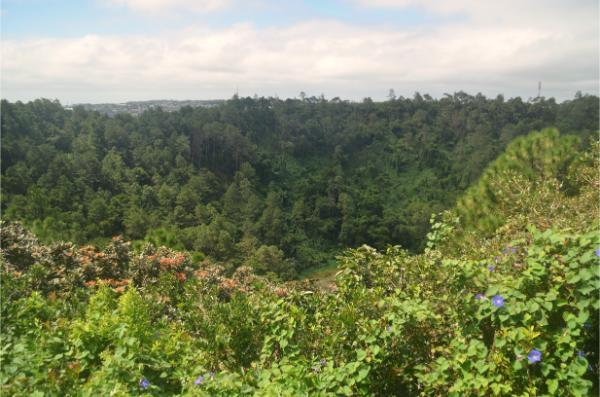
(362, 374)
(361, 355)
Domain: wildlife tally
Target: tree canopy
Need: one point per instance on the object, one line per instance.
(293, 181)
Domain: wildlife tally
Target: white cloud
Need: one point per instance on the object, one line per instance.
(532, 12)
(159, 6)
(335, 58)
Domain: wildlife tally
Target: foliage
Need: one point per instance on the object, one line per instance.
(511, 313)
(309, 177)
(538, 157)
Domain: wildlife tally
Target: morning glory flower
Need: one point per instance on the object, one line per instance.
(534, 356)
(199, 380)
(498, 301)
(491, 268)
(144, 383)
(598, 252)
(508, 249)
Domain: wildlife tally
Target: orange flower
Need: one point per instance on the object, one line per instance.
(281, 292)
(91, 283)
(228, 284)
(74, 366)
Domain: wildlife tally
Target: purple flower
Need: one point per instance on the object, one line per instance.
(491, 268)
(199, 380)
(598, 252)
(498, 301)
(508, 249)
(581, 353)
(534, 356)
(479, 296)
(144, 383)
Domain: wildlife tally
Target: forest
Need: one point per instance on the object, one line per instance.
(278, 186)
(502, 299)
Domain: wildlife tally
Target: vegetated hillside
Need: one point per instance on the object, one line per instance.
(503, 302)
(279, 186)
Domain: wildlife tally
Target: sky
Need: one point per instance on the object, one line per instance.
(93, 51)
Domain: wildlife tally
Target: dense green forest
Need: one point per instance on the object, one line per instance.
(503, 300)
(276, 185)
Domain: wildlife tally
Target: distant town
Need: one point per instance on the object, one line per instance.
(138, 107)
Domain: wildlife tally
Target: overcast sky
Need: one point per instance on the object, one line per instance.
(122, 50)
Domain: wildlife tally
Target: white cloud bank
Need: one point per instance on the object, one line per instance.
(494, 51)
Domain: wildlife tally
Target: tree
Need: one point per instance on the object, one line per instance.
(270, 260)
(271, 223)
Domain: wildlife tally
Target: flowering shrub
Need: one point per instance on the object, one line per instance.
(397, 325)
(523, 336)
